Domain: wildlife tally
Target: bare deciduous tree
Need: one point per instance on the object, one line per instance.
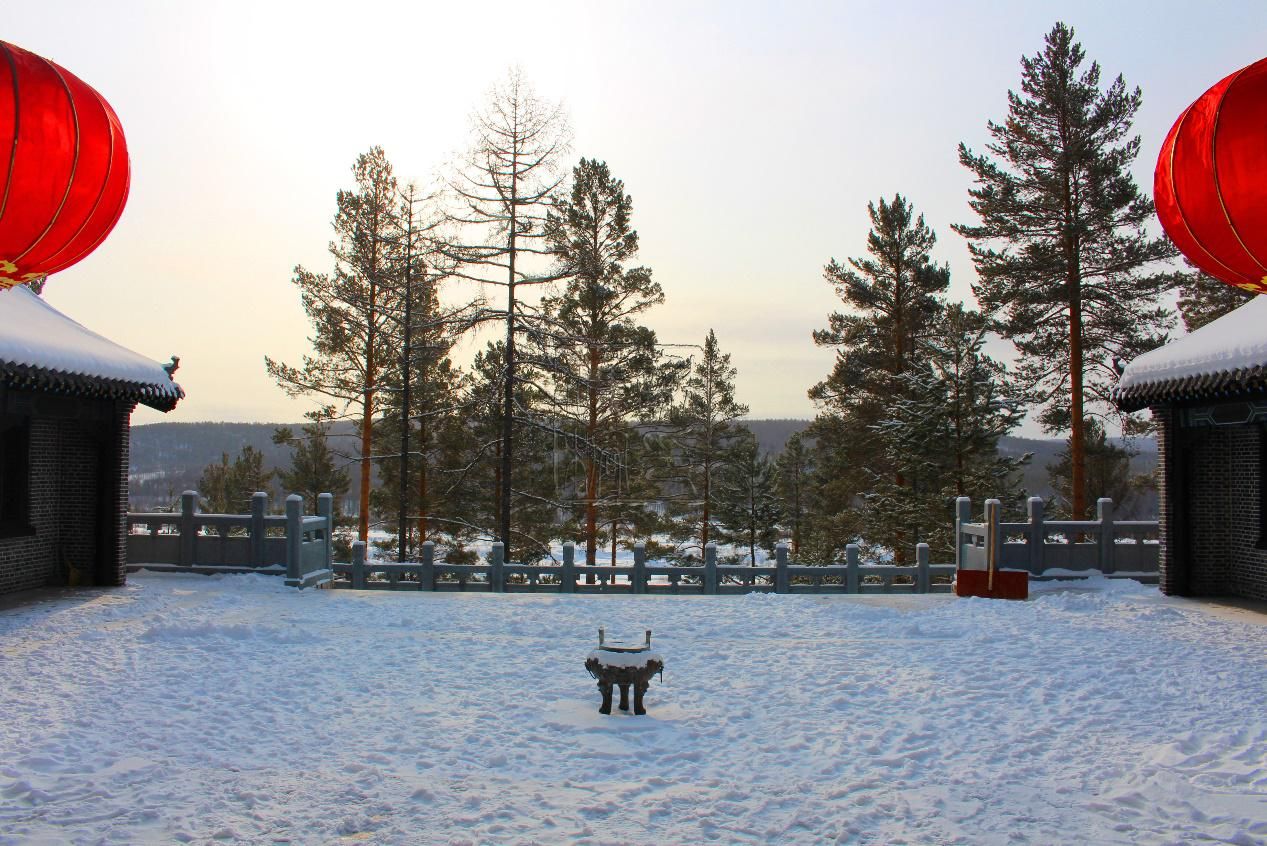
(503, 190)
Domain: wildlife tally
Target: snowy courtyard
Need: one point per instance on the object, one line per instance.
(233, 709)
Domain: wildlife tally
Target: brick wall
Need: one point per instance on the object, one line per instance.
(1246, 566)
(1210, 500)
(1169, 577)
(114, 560)
(71, 545)
(1210, 515)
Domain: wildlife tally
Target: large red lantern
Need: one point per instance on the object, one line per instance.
(63, 167)
(1211, 180)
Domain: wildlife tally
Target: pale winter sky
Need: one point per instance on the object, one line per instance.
(751, 136)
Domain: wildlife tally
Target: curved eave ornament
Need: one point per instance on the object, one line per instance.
(64, 171)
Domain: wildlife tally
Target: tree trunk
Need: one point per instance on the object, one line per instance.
(703, 532)
(402, 517)
(591, 466)
(1077, 437)
(497, 482)
(508, 404)
(367, 427)
(1073, 278)
(423, 504)
(796, 521)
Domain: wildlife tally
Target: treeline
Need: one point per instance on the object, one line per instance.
(578, 422)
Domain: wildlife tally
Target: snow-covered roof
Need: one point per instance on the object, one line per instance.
(1226, 357)
(42, 348)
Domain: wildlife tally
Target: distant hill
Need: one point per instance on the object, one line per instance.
(168, 458)
(773, 434)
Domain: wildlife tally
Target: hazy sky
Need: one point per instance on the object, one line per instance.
(751, 136)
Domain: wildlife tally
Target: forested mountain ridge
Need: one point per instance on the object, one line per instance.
(168, 458)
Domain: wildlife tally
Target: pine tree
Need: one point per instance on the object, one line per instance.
(894, 301)
(748, 510)
(841, 450)
(703, 432)
(606, 371)
(1062, 245)
(313, 468)
(943, 429)
(793, 471)
(472, 492)
(1108, 472)
(1203, 299)
(421, 386)
(227, 488)
(349, 309)
(504, 191)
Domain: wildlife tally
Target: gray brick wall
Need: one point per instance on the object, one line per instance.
(114, 561)
(1211, 502)
(70, 544)
(1169, 578)
(1246, 565)
(1209, 509)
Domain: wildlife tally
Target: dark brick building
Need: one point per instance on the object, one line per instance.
(66, 401)
(1208, 394)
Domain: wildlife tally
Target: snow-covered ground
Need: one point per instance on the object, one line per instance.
(233, 709)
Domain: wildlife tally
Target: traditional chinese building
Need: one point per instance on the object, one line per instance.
(1208, 394)
(66, 401)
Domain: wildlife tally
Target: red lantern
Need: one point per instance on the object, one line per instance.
(1211, 181)
(65, 178)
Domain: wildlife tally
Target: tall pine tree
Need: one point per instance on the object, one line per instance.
(421, 387)
(701, 442)
(893, 296)
(1062, 248)
(943, 429)
(349, 309)
(606, 370)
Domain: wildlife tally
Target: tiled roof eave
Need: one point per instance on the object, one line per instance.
(1225, 384)
(156, 396)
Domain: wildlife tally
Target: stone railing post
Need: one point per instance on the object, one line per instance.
(325, 509)
(496, 557)
(188, 528)
(640, 568)
(853, 580)
(567, 573)
(963, 514)
(1104, 513)
(427, 575)
(294, 536)
(1036, 536)
(259, 507)
(781, 584)
(922, 583)
(358, 565)
(710, 568)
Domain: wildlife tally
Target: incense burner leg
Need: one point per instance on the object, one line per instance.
(624, 696)
(640, 687)
(605, 688)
